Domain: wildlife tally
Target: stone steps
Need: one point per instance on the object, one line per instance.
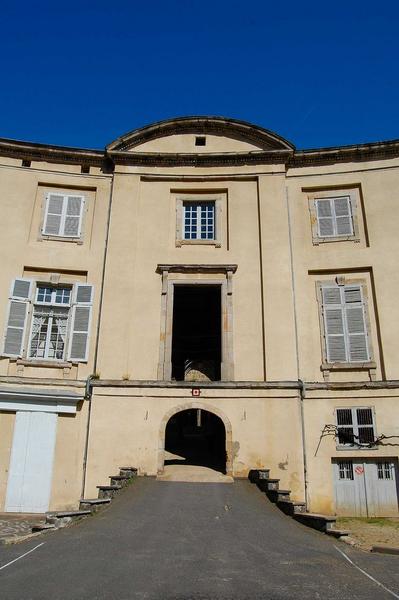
(93, 504)
(108, 491)
(87, 506)
(297, 510)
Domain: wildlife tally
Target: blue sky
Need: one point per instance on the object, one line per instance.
(83, 73)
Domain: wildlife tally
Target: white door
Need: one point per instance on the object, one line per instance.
(366, 488)
(381, 488)
(31, 463)
(350, 490)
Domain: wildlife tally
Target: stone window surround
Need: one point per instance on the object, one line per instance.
(87, 194)
(182, 198)
(327, 367)
(196, 275)
(354, 199)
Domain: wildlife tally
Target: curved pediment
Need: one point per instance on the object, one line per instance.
(203, 135)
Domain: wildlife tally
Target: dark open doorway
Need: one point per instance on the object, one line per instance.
(196, 437)
(196, 334)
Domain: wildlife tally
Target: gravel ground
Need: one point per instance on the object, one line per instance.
(370, 532)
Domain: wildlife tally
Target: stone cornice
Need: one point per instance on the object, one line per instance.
(200, 268)
(290, 158)
(52, 154)
(264, 139)
(342, 154)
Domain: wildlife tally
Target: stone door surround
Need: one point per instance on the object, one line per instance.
(196, 275)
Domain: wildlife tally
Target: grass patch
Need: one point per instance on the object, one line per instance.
(380, 521)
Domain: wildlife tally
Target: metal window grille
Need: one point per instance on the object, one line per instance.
(50, 323)
(199, 220)
(355, 426)
(384, 470)
(345, 468)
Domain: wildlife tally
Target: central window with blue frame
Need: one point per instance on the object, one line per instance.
(199, 220)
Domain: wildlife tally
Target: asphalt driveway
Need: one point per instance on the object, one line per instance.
(173, 541)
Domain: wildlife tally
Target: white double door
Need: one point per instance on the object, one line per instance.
(366, 488)
(31, 463)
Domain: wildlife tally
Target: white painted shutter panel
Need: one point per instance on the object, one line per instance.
(334, 324)
(343, 216)
(81, 317)
(53, 216)
(73, 216)
(17, 314)
(325, 218)
(356, 325)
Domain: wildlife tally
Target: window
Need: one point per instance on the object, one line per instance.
(334, 215)
(63, 215)
(385, 470)
(345, 321)
(355, 426)
(345, 469)
(199, 220)
(200, 140)
(48, 322)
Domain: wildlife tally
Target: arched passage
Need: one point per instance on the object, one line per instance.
(194, 434)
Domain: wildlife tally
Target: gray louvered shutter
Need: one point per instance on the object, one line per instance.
(325, 219)
(53, 216)
(343, 216)
(17, 316)
(73, 216)
(80, 323)
(334, 324)
(356, 324)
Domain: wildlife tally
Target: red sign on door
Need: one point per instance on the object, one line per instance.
(359, 470)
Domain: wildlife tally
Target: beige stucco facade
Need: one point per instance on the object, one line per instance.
(278, 387)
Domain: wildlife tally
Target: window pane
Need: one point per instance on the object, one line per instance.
(198, 220)
(49, 327)
(366, 435)
(345, 435)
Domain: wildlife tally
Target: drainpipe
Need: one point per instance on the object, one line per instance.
(301, 384)
(88, 395)
(302, 393)
(89, 385)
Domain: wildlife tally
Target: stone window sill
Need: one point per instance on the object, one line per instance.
(215, 243)
(45, 363)
(358, 366)
(343, 238)
(56, 238)
(355, 448)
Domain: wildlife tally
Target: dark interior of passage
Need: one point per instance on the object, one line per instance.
(196, 437)
(196, 334)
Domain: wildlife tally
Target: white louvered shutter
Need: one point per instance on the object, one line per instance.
(325, 218)
(343, 216)
(17, 316)
(73, 216)
(80, 326)
(334, 328)
(54, 214)
(356, 324)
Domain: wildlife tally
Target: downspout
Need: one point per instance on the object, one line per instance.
(301, 384)
(89, 385)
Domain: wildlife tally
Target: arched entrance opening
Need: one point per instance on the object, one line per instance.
(196, 437)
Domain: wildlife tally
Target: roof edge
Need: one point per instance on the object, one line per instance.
(264, 138)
